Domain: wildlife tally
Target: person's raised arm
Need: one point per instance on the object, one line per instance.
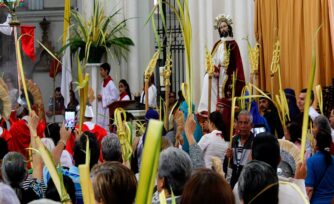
(64, 136)
(190, 128)
(37, 161)
(195, 152)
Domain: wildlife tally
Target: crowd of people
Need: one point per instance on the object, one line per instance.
(248, 171)
(199, 161)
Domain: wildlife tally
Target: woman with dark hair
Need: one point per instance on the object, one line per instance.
(124, 90)
(293, 133)
(207, 186)
(52, 193)
(14, 172)
(73, 101)
(114, 183)
(152, 93)
(321, 123)
(319, 181)
(214, 143)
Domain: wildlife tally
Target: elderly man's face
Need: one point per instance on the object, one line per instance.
(301, 101)
(244, 125)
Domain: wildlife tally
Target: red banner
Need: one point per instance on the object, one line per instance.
(28, 41)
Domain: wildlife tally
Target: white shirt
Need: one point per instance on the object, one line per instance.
(109, 95)
(125, 98)
(313, 113)
(287, 193)
(152, 96)
(213, 144)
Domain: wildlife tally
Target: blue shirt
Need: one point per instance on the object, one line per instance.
(321, 178)
(73, 173)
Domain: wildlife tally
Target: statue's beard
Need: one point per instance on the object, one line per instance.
(223, 34)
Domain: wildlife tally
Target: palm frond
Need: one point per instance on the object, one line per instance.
(99, 31)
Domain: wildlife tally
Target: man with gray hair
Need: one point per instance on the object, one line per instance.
(173, 172)
(258, 183)
(241, 145)
(111, 148)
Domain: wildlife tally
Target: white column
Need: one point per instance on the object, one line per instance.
(86, 8)
(142, 36)
(93, 70)
(133, 60)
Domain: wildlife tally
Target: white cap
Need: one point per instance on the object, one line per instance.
(89, 111)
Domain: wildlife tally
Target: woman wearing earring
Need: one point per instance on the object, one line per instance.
(124, 90)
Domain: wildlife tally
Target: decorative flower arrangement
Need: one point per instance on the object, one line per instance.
(99, 34)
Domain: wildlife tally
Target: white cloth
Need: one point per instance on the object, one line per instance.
(212, 144)
(287, 194)
(66, 159)
(5, 28)
(125, 98)
(218, 59)
(109, 95)
(48, 143)
(152, 96)
(90, 125)
(332, 134)
(313, 113)
(66, 73)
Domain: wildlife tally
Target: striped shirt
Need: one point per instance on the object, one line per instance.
(37, 186)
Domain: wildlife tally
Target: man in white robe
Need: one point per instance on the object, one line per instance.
(109, 93)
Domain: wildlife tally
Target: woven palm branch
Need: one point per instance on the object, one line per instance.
(38, 99)
(5, 102)
(217, 165)
(292, 150)
(3, 83)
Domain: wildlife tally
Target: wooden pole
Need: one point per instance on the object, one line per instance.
(167, 107)
(17, 62)
(272, 85)
(256, 82)
(209, 94)
(146, 94)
